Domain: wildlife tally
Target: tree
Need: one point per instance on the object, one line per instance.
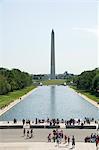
(4, 85)
(95, 84)
(84, 80)
(13, 80)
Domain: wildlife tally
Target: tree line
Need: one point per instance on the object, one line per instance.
(14, 79)
(88, 81)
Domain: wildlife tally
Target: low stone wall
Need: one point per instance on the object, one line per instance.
(32, 126)
(81, 127)
(15, 126)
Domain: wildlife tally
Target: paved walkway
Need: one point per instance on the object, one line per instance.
(45, 146)
(40, 135)
(13, 139)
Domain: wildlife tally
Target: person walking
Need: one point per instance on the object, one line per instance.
(24, 132)
(65, 138)
(73, 142)
(54, 138)
(23, 121)
(27, 133)
(49, 137)
(31, 132)
(68, 140)
(57, 140)
(97, 142)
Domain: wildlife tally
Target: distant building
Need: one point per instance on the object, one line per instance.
(40, 77)
(65, 75)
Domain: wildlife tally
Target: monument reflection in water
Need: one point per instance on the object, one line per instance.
(53, 102)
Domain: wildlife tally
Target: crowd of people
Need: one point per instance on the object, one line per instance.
(53, 122)
(93, 138)
(58, 136)
(27, 130)
(71, 121)
(28, 133)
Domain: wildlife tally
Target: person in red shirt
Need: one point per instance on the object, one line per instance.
(65, 138)
(97, 142)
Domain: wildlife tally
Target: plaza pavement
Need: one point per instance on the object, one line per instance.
(40, 135)
(13, 139)
(45, 146)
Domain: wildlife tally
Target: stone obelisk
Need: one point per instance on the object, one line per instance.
(52, 75)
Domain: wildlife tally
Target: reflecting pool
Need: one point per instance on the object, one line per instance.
(53, 102)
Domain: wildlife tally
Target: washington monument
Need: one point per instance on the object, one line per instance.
(52, 75)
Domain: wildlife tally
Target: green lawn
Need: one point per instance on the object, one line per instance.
(53, 82)
(88, 94)
(11, 96)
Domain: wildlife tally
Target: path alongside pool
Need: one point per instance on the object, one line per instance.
(19, 125)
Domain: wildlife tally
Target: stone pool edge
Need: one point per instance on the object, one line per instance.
(2, 111)
(86, 98)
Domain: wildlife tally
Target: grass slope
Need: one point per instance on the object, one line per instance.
(53, 82)
(5, 100)
(88, 94)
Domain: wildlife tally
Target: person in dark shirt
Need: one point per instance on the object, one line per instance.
(73, 142)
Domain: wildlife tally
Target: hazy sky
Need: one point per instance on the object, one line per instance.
(25, 34)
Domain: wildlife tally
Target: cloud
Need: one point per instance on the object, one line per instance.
(94, 31)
